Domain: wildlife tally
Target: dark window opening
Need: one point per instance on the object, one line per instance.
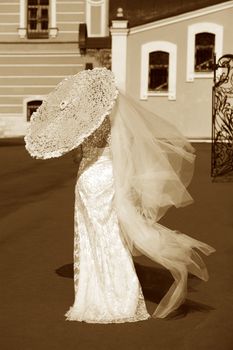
(158, 71)
(89, 65)
(32, 107)
(204, 52)
(38, 19)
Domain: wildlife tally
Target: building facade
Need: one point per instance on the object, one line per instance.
(39, 46)
(167, 64)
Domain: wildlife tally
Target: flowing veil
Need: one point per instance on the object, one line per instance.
(153, 165)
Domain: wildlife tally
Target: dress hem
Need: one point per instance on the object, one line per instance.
(70, 316)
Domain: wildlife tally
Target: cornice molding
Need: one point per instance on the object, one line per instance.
(188, 15)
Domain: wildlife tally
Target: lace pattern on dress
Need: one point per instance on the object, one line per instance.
(93, 151)
(97, 143)
(92, 147)
(140, 315)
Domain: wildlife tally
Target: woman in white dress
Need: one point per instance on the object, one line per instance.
(106, 285)
(133, 167)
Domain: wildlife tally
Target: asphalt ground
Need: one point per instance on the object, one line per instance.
(36, 252)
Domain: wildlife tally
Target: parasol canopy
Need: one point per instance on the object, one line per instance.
(70, 113)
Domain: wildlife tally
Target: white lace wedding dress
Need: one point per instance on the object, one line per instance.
(124, 186)
(106, 285)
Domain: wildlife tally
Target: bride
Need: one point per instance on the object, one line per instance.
(133, 167)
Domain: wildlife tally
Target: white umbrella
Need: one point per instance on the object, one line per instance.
(70, 113)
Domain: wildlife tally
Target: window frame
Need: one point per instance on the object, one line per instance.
(146, 49)
(197, 28)
(30, 99)
(167, 68)
(22, 30)
(38, 33)
(197, 49)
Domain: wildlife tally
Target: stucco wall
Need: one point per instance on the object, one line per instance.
(191, 111)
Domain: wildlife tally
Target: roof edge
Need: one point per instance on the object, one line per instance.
(180, 18)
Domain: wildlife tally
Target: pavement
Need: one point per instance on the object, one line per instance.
(36, 252)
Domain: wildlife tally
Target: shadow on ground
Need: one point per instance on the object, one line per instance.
(155, 283)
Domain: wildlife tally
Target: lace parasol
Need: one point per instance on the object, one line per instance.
(70, 113)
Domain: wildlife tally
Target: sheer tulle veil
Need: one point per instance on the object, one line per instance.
(153, 165)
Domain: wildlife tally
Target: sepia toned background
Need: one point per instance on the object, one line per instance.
(161, 53)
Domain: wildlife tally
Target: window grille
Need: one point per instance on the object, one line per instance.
(204, 52)
(32, 107)
(158, 71)
(38, 19)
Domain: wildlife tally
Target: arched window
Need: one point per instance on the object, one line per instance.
(32, 107)
(158, 69)
(204, 39)
(204, 52)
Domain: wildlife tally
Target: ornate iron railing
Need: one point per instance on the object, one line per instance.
(222, 120)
